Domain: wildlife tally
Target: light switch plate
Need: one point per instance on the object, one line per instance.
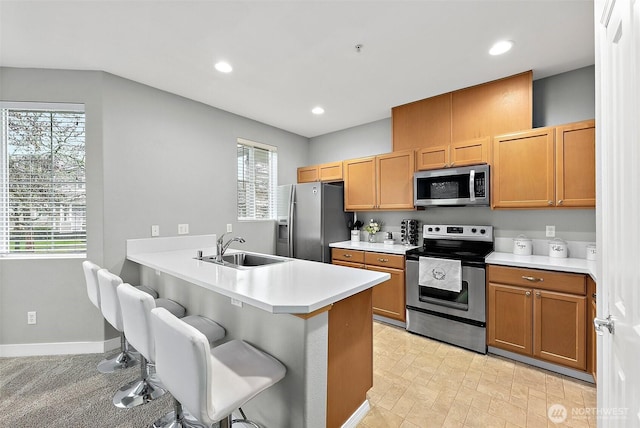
(229, 228)
(183, 229)
(155, 230)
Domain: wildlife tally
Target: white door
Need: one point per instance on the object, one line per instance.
(617, 44)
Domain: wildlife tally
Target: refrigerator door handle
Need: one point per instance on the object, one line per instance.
(292, 199)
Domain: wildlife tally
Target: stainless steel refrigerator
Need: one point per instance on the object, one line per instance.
(310, 217)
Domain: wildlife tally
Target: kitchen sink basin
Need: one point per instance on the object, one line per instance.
(244, 260)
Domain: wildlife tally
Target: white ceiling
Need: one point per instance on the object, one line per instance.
(289, 56)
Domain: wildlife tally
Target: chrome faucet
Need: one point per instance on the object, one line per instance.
(221, 248)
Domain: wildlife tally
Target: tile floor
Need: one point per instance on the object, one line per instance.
(418, 382)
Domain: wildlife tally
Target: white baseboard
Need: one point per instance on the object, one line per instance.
(59, 348)
(357, 416)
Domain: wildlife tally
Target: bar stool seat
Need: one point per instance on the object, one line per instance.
(209, 382)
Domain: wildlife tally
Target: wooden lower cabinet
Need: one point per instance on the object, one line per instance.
(350, 357)
(545, 320)
(389, 297)
(591, 331)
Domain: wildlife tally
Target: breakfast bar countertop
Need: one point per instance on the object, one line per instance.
(293, 286)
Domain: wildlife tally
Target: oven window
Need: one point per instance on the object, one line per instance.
(446, 298)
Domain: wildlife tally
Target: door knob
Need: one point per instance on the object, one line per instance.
(598, 323)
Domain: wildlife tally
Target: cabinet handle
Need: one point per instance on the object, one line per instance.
(594, 296)
(549, 202)
(560, 202)
(528, 293)
(346, 255)
(538, 294)
(383, 260)
(532, 278)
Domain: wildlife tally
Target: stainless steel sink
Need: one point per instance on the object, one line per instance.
(244, 260)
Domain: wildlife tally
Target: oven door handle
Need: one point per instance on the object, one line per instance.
(472, 185)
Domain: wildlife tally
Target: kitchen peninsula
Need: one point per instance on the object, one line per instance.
(315, 318)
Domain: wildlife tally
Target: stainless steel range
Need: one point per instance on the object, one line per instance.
(446, 285)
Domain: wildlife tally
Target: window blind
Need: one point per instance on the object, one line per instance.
(257, 180)
(42, 188)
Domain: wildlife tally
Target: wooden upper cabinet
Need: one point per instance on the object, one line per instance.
(424, 123)
(395, 180)
(380, 182)
(492, 108)
(331, 171)
(523, 169)
(307, 174)
(360, 184)
(470, 152)
(433, 157)
(576, 165)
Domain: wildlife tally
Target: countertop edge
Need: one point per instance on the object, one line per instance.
(377, 247)
(570, 265)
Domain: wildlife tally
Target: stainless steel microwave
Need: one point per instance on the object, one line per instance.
(462, 186)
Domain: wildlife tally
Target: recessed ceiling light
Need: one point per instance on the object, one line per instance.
(501, 47)
(223, 67)
(317, 110)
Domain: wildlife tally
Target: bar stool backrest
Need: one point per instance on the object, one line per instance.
(109, 302)
(91, 278)
(136, 306)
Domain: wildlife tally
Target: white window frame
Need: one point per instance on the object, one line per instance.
(273, 181)
(4, 180)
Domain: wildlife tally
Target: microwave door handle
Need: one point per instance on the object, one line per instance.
(472, 185)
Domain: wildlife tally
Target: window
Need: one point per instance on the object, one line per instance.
(42, 179)
(257, 180)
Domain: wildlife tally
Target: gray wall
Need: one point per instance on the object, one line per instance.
(152, 158)
(559, 99)
(564, 98)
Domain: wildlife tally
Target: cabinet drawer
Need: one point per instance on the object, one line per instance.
(354, 256)
(539, 279)
(383, 259)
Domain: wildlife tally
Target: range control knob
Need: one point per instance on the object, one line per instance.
(483, 231)
(437, 229)
(474, 230)
(430, 229)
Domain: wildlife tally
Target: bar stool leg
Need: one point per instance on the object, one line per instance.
(123, 360)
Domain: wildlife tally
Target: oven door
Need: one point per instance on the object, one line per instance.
(468, 304)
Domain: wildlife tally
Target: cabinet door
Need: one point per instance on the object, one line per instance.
(559, 328)
(424, 123)
(576, 165)
(591, 331)
(330, 171)
(360, 184)
(307, 174)
(389, 296)
(470, 152)
(523, 169)
(492, 108)
(509, 318)
(432, 158)
(395, 180)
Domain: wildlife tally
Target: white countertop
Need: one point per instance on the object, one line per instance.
(294, 287)
(544, 262)
(378, 247)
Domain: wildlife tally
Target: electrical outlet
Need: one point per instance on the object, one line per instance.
(229, 228)
(236, 302)
(155, 230)
(551, 231)
(183, 229)
(31, 317)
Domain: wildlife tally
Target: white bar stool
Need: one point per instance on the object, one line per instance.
(135, 306)
(209, 382)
